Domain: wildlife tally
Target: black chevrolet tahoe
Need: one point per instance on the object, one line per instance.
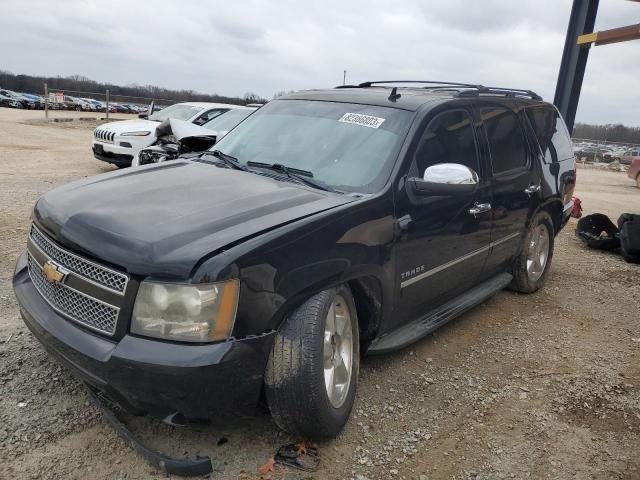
(329, 224)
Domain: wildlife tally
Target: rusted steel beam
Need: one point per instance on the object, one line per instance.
(615, 35)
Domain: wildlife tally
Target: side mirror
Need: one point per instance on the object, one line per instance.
(143, 115)
(445, 179)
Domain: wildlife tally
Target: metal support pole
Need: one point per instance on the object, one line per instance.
(46, 101)
(107, 103)
(574, 59)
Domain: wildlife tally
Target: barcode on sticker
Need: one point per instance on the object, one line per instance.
(363, 120)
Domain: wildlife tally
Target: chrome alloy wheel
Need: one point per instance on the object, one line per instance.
(538, 253)
(338, 351)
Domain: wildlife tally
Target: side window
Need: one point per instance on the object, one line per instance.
(209, 115)
(448, 138)
(506, 139)
(551, 132)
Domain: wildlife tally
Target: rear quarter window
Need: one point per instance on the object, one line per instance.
(507, 143)
(551, 132)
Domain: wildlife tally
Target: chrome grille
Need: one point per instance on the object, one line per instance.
(102, 275)
(104, 135)
(77, 306)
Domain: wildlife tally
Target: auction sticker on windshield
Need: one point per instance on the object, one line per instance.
(362, 120)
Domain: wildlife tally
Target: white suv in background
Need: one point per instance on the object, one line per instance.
(120, 142)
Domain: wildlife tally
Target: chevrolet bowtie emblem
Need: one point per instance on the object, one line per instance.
(53, 272)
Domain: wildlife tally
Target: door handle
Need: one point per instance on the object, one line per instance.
(531, 189)
(479, 208)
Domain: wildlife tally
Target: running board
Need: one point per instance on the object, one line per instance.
(436, 318)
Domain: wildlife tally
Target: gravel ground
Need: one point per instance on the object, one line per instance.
(524, 386)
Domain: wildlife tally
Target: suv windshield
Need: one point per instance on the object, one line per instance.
(347, 146)
(178, 111)
(226, 122)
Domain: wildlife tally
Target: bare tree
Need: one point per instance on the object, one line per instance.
(80, 83)
(609, 132)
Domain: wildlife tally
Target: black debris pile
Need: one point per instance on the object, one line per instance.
(598, 231)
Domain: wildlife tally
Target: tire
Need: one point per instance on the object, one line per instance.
(295, 385)
(530, 277)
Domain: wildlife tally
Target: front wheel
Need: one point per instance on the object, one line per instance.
(312, 373)
(531, 266)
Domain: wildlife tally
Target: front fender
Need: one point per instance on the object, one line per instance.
(278, 271)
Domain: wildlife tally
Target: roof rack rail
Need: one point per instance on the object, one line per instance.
(463, 89)
(428, 82)
(507, 92)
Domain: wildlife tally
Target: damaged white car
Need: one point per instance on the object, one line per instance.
(177, 138)
(120, 142)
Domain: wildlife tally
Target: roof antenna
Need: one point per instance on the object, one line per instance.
(394, 94)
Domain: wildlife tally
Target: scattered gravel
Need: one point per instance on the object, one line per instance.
(523, 386)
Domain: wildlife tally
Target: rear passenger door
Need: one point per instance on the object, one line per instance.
(515, 183)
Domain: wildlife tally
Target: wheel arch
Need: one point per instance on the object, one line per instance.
(368, 294)
(368, 297)
(554, 207)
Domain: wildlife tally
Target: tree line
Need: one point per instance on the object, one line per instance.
(118, 93)
(610, 133)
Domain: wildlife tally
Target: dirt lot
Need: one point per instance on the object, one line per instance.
(538, 386)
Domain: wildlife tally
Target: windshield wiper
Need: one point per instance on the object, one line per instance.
(304, 176)
(227, 159)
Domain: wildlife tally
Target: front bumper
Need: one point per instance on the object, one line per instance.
(149, 376)
(110, 153)
(121, 151)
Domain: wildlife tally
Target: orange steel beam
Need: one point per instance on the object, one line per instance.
(615, 35)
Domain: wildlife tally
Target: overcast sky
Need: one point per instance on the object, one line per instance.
(238, 46)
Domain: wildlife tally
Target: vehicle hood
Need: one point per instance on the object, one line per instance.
(182, 129)
(130, 126)
(160, 220)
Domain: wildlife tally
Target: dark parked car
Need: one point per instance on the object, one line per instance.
(9, 102)
(35, 101)
(590, 153)
(122, 108)
(327, 225)
(18, 97)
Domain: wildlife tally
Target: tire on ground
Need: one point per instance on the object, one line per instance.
(294, 379)
(521, 281)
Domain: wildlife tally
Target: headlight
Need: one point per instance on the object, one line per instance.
(147, 156)
(187, 313)
(135, 134)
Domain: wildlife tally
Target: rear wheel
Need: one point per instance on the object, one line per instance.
(312, 372)
(531, 266)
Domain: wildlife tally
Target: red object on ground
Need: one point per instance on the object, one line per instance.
(576, 211)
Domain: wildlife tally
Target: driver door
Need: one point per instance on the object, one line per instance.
(444, 239)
